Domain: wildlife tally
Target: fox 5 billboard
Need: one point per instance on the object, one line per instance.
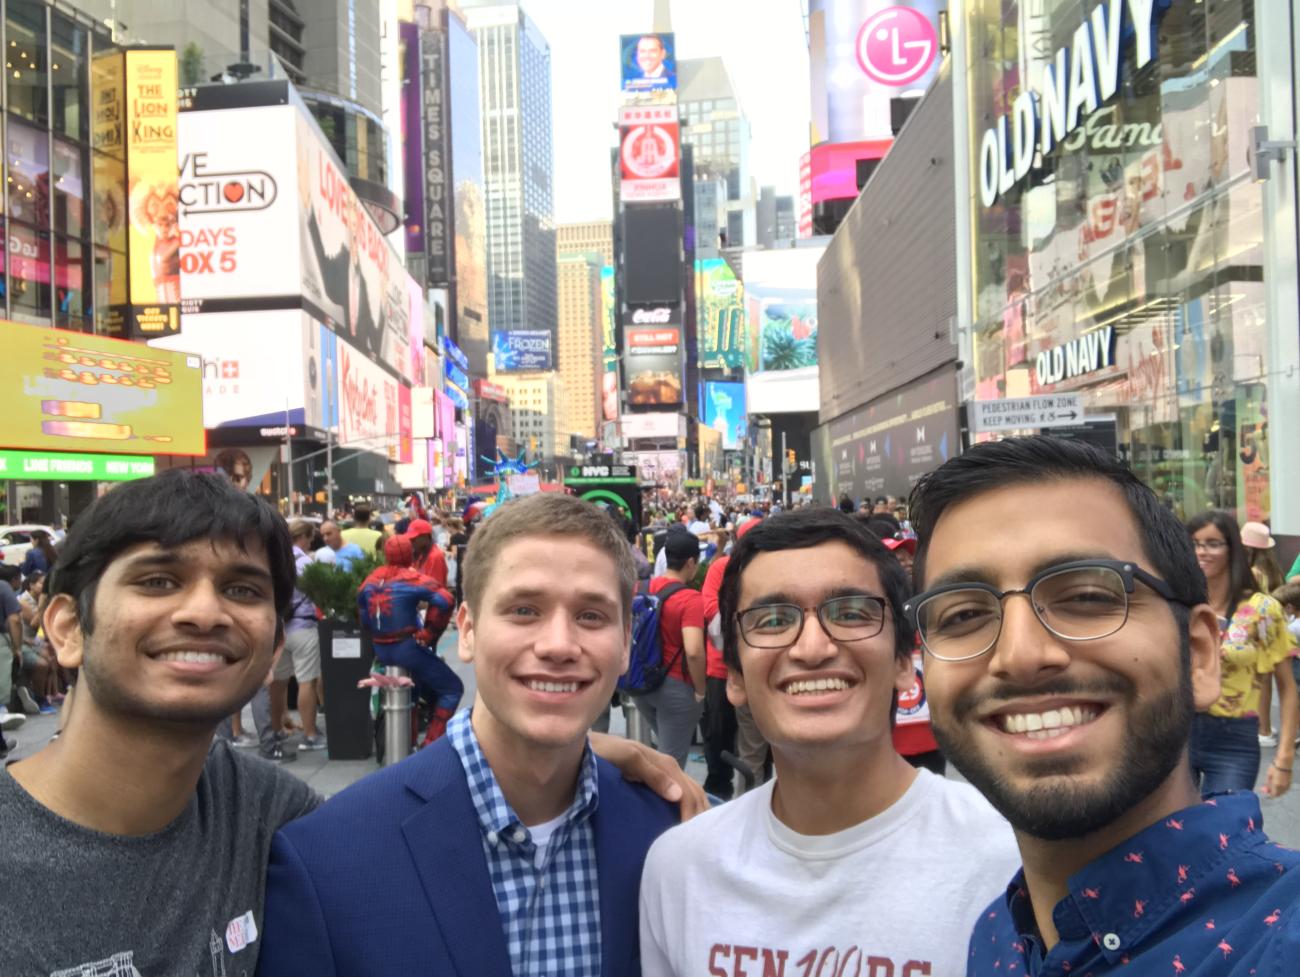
(649, 153)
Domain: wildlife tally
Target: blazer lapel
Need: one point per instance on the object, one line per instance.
(443, 837)
(619, 857)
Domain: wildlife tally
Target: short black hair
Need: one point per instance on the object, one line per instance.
(802, 529)
(1242, 584)
(361, 515)
(10, 574)
(170, 509)
(1042, 458)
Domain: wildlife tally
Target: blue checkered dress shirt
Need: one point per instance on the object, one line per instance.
(551, 914)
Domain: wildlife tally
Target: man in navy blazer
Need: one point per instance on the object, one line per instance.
(505, 849)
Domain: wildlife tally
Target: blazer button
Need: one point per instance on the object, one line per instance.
(1110, 941)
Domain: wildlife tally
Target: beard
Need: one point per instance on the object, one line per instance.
(1057, 806)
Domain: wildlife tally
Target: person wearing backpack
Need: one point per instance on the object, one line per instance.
(673, 709)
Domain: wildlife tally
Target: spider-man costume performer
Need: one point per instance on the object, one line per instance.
(389, 602)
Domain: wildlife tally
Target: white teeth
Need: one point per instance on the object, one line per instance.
(1049, 724)
(808, 686)
(191, 656)
(553, 686)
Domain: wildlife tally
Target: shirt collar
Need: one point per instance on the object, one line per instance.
(1182, 854)
(497, 820)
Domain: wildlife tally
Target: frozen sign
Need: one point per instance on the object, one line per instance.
(1083, 75)
(897, 46)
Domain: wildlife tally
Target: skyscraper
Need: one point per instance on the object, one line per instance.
(518, 164)
(717, 130)
(578, 352)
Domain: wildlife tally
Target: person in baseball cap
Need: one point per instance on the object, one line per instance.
(429, 559)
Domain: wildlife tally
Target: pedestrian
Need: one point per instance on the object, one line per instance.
(505, 848)
(361, 532)
(40, 556)
(301, 655)
(673, 710)
(429, 557)
(11, 645)
(1256, 648)
(1259, 545)
(817, 645)
(1070, 642)
(38, 684)
(336, 549)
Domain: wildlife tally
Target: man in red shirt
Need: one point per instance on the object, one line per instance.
(429, 559)
(673, 710)
(913, 738)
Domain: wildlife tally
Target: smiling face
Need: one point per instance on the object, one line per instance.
(649, 54)
(1064, 737)
(548, 640)
(1211, 551)
(183, 635)
(818, 692)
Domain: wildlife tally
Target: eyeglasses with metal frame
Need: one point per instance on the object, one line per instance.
(1082, 600)
(852, 617)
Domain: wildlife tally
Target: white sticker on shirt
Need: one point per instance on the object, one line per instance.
(241, 931)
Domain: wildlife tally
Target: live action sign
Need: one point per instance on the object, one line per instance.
(1049, 410)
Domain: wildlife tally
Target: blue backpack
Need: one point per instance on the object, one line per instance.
(646, 668)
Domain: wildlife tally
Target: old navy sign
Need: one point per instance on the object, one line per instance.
(1080, 79)
(1089, 353)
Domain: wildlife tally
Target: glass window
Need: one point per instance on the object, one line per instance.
(68, 73)
(69, 282)
(69, 191)
(25, 61)
(29, 274)
(28, 150)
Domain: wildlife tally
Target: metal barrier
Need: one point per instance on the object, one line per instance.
(638, 727)
(396, 701)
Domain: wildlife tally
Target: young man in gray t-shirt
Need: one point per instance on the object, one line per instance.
(139, 845)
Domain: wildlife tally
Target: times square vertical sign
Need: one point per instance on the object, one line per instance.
(437, 245)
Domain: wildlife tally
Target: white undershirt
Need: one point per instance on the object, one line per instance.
(542, 835)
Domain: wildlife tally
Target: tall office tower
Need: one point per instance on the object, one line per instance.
(515, 102)
(580, 340)
(594, 237)
(714, 124)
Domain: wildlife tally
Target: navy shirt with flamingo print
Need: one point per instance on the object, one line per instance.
(1201, 894)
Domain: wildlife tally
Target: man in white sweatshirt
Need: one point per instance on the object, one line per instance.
(851, 861)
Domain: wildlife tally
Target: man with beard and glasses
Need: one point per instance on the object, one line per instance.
(1069, 644)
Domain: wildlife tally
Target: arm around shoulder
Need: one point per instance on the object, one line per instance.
(295, 938)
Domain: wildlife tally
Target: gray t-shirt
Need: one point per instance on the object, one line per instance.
(184, 902)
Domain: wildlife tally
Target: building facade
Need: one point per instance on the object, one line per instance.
(580, 341)
(536, 406)
(1131, 269)
(588, 237)
(515, 93)
(717, 130)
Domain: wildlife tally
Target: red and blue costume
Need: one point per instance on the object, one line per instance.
(389, 602)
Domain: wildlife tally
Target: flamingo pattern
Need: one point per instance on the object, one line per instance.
(1204, 893)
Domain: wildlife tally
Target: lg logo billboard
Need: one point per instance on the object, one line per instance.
(897, 46)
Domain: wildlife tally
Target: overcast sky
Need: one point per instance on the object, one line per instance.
(761, 41)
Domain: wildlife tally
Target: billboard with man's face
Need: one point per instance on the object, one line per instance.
(649, 62)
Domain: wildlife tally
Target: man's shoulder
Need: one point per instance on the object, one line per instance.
(636, 804)
(684, 843)
(960, 812)
(243, 782)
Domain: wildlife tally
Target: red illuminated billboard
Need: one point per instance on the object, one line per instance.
(649, 156)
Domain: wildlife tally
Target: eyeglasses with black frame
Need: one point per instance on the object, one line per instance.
(853, 617)
(1082, 600)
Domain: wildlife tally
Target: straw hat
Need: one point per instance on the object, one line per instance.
(1256, 536)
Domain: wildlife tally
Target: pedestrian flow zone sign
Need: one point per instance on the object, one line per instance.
(1050, 410)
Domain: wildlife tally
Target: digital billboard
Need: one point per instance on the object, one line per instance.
(431, 177)
(724, 412)
(862, 54)
(652, 254)
(720, 312)
(649, 62)
(470, 218)
(654, 364)
(517, 350)
(411, 123)
(781, 330)
(136, 187)
(649, 153)
(372, 408)
(44, 466)
(72, 391)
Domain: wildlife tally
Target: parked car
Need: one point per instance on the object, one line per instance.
(15, 541)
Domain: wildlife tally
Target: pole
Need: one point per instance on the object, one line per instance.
(397, 718)
(785, 473)
(329, 474)
(288, 456)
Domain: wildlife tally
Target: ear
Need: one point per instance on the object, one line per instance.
(736, 687)
(1204, 644)
(63, 630)
(904, 673)
(465, 633)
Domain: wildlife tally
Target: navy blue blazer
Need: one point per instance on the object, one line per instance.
(388, 878)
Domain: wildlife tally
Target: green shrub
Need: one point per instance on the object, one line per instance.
(333, 589)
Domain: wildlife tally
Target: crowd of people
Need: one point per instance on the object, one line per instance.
(1107, 728)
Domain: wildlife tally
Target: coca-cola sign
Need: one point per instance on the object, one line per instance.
(369, 400)
(652, 317)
